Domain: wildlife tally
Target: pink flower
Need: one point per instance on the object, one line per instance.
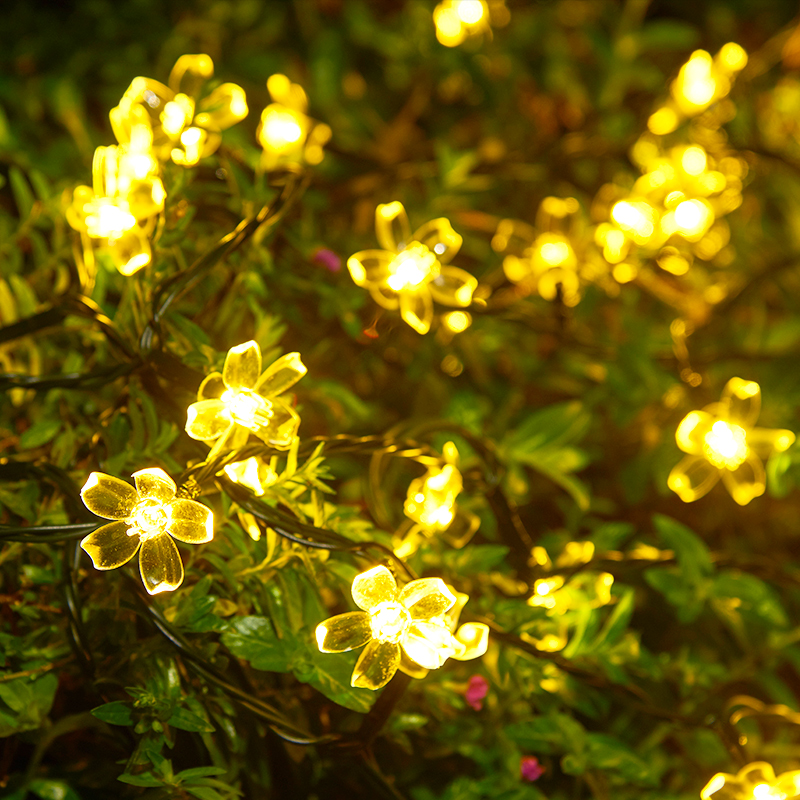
(328, 259)
(477, 689)
(530, 769)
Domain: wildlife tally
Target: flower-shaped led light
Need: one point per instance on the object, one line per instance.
(411, 271)
(721, 442)
(474, 636)
(147, 519)
(702, 80)
(401, 628)
(431, 506)
(431, 499)
(550, 258)
(756, 781)
(119, 210)
(287, 134)
(241, 400)
(184, 127)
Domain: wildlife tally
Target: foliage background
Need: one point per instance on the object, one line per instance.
(581, 405)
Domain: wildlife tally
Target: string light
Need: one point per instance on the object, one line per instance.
(286, 133)
(755, 781)
(241, 400)
(721, 442)
(185, 126)
(146, 520)
(411, 271)
(402, 628)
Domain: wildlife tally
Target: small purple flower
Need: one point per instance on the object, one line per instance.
(530, 769)
(327, 258)
(477, 689)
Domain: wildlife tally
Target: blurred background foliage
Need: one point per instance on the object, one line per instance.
(629, 698)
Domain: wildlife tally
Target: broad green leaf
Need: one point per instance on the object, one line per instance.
(117, 712)
(254, 640)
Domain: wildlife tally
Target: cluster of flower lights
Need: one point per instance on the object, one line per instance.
(179, 123)
(672, 215)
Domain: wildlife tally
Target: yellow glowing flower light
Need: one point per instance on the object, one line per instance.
(721, 442)
(146, 520)
(702, 80)
(119, 210)
(431, 500)
(185, 127)
(403, 629)
(286, 133)
(756, 781)
(412, 270)
(457, 20)
(241, 400)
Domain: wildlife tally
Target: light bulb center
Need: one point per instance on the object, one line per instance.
(389, 621)
(725, 445)
(413, 267)
(247, 408)
(149, 518)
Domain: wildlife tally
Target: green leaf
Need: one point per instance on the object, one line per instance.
(551, 733)
(145, 779)
(330, 674)
(117, 712)
(618, 621)
(204, 792)
(39, 433)
(254, 639)
(199, 772)
(474, 559)
(25, 702)
(186, 721)
(691, 552)
(23, 196)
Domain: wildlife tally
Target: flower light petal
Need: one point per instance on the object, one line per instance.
(429, 644)
(410, 667)
(110, 547)
(766, 441)
(234, 438)
(343, 632)
(692, 478)
(190, 521)
(440, 238)
(281, 430)
(416, 308)
(374, 586)
(474, 636)
(207, 419)
(693, 428)
(376, 665)
(427, 597)
(453, 287)
(154, 483)
(370, 268)
(742, 399)
(212, 387)
(385, 297)
(108, 497)
(242, 366)
(160, 564)
(747, 481)
(391, 226)
(282, 374)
